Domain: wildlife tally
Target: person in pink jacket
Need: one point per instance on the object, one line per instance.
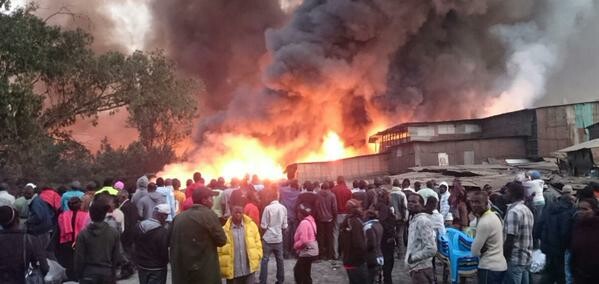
(70, 224)
(305, 245)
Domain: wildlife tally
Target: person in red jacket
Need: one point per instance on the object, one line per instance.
(342, 194)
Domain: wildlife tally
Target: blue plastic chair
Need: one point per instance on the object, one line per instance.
(461, 261)
(442, 255)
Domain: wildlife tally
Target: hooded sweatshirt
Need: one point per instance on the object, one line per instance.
(142, 189)
(147, 203)
(97, 250)
(151, 245)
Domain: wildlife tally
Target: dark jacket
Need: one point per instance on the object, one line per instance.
(352, 242)
(151, 245)
(307, 198)
(374, 234)
(97, 250)
(585, 248)
(326, 206)
(362, 197)
(131, 218)
(12, 250)
(555, 227)
(193, 240)
(41, 217)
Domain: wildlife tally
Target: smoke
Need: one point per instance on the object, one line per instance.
(342, 65)
(219, 42)
(536, 51)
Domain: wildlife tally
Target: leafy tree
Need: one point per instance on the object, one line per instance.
(49, 78)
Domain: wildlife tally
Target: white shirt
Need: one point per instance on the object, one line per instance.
(438, 222)
(6, 199)
(274, 221)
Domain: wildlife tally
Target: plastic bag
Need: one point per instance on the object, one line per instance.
(538, 261)
(56, 273)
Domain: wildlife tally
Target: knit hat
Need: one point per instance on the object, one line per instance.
(119, 185)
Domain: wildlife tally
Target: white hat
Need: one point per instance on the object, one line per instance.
(162, 208)
(31, 185)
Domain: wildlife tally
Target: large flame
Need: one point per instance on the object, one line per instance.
(237, 155)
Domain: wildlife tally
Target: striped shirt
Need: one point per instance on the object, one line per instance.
(240, 259)
(519, 222)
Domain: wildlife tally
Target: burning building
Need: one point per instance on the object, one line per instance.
(523, 134)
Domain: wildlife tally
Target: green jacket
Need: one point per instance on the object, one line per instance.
(195, 235)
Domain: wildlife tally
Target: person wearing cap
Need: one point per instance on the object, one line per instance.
(18, 249)
(240, 258)
(150, 252)
(196, 233)
(554, 231)
(22, 203)
(73, 191)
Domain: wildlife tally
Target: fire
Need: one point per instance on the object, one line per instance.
(232, 155)
(333, 148)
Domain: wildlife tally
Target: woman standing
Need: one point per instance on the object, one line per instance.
(305, 245)
(70, 224)
(18, 249)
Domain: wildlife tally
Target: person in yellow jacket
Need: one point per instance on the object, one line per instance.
(240, 258)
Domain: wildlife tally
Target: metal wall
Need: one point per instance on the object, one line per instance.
(350, 168)
(561, 126)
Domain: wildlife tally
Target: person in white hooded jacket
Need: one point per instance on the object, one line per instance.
(444, 202)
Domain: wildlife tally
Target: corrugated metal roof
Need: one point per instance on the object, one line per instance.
(585, 145)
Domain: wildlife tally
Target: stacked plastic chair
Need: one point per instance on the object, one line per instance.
(442, 255)
(461, 261)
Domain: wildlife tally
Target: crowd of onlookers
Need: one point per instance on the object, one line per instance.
(210, 231)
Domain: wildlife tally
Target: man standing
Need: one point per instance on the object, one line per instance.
(488, 243)
(326, 212)
(145, 206)
(97, 251)
(141, 191)
(405, 186)
(240, 258)
(289, 194)
(22, 203)
(555, 231)
(421, 242)
(343, 195)
(444, 202)
(518, 227)
(274, 221)
(399, 202)
(165, 187)
(131, 217)
(195, 235)
(151, 247)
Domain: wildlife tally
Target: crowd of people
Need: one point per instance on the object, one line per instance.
(212, 231)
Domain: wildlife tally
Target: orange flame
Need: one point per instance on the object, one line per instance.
(237, 155)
